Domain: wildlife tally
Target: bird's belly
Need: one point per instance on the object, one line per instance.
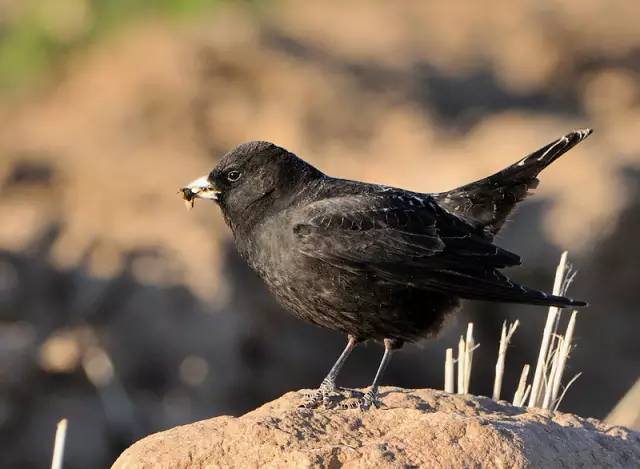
(356, 303)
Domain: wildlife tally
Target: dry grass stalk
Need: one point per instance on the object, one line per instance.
(448, 371)
(465, 360)
(558, 349)
(562, 359)
(536, 386)
(58, 445)
(566, 388)
(519, 397)
(461, 360)
(526, 394)
(548, 387)
(505, 338)
(468, 359)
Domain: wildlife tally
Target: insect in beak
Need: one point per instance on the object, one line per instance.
(201, 188)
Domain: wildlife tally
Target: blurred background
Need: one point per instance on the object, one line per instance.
(126, 314)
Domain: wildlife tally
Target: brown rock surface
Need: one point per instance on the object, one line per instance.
(413, 428)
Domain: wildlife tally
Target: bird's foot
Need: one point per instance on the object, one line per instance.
(366, 402)
(312, 399)
(327, 395)
(319, 396)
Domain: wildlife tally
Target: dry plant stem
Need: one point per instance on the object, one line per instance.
(548, 328)
(567, 279)
(549, 364)
(468, 361)
(566, 388)
(562, 359)
(548, 392)
(519, 397)
(448, 371)
(502, 350)
(526, 394)
(58, 446)
(461, 366)
(505, 338)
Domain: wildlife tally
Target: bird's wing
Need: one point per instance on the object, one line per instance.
(406, 239)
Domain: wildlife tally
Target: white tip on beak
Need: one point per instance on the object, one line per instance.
(201, 188)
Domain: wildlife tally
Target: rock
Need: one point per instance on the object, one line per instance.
(413, 428)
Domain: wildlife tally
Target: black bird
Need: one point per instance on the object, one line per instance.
(371, 261)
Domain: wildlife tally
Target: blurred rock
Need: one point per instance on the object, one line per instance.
(627, 411)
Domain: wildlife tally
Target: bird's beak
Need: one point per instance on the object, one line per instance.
(201, 188)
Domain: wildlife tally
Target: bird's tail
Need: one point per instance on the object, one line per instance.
(486, 203)
(529, 296)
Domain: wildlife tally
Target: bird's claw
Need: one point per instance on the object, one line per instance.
(312, 399)
(319, 396)
(328, 396)
(366, 402)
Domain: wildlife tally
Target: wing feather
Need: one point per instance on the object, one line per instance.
(421, 245)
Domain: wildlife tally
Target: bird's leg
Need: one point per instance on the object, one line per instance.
(328, 384)
(371, 397)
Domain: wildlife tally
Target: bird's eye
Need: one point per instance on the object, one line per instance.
(233, 175)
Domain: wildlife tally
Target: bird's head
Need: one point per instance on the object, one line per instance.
(251, 179)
